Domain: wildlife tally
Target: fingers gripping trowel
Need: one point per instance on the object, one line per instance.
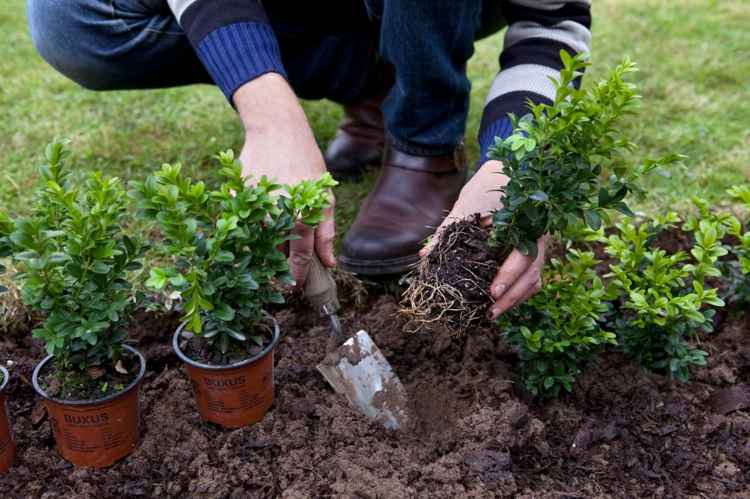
(357, 368)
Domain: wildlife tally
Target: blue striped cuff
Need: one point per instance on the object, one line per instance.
(237, 53)
(502, 128)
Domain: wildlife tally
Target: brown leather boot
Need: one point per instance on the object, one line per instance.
(409, 200)
(359, 141)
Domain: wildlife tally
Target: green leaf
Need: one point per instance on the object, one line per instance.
(99, 268)
(539, 196)
(224, 256)
(276, 298)
(23, 240)
(674, 364)
(236, 335)
(223, 312)
(622, 208)
(286, 278)
(593, 219)
(603, 197)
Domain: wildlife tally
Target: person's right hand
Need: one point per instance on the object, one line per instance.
(280, 144)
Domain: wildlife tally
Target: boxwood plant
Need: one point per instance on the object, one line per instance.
(737, 271)
(553, 161)
(663, 295)
(559, 331)
(72, 260)
(225, 244)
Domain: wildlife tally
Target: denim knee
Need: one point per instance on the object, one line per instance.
(113, 45)
(61, 32)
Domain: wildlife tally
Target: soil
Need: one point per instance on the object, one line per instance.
(450, 286)
(477, 433)
(209, 353)
(93, 383)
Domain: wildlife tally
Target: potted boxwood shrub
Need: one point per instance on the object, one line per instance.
(71, 260)
(7, 443)
(554, 163)
(225, 248)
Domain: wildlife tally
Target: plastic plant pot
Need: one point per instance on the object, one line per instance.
(96, 433)
(233, 395)
(7, 444)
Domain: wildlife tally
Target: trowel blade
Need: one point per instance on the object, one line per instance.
(359, 370)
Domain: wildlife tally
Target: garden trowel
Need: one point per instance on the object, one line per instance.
(356, 368)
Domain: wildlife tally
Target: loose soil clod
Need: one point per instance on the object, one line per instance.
(450, 287)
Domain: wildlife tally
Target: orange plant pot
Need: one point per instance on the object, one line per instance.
(7, 444)
(234, 395)
(96, 433)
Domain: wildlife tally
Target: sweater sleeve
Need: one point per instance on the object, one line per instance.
(537, 31)
(233, 39)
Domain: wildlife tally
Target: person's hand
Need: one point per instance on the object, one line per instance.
(280, 144)
(519, 278)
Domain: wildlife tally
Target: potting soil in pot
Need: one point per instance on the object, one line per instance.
(74, 385)
(208, 352)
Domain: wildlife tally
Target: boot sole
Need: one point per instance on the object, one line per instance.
(350, 175)
(347, 177)
(381, 267)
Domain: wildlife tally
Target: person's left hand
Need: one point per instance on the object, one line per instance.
(520, 276)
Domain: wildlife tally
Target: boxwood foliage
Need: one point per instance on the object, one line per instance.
(559, 331)
(225, 243)
(663, 295)
(553, 159)
(737, 271)
(72, 259)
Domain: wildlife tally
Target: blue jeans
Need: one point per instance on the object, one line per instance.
(329, 50)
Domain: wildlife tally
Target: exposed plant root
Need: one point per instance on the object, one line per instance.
(355, 287)
(16, 320)
(450, 287)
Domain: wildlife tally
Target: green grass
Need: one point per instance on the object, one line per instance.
(692, 55)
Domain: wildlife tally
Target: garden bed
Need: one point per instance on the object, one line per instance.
(476, 434)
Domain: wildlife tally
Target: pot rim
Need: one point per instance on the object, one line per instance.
(6, 377)
(251, 360)
(108, 398)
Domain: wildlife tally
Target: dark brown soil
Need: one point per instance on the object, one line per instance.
(95, 383)
(477, 432)
(209, 352)
(450, 286)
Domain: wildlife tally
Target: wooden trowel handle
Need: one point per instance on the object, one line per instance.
(320, 288)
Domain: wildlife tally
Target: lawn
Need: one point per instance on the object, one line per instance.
(692, 55)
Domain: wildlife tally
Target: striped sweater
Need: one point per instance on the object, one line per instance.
(537, 31)
(235, 42)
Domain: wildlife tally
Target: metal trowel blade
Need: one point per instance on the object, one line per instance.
(359, 370)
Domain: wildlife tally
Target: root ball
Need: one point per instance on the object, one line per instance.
(450, 286)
